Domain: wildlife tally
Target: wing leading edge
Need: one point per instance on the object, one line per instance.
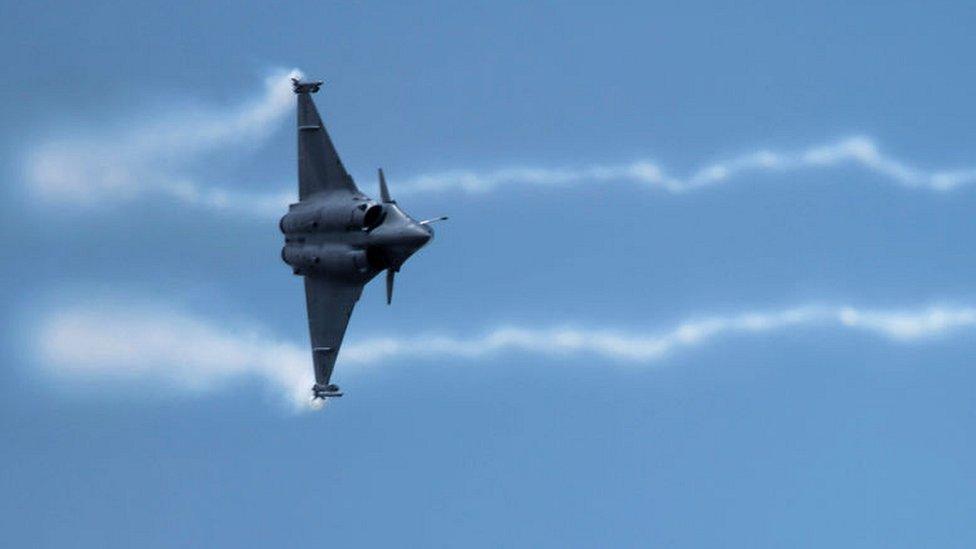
(319, 166)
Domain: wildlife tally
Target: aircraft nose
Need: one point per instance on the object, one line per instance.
(418, 235)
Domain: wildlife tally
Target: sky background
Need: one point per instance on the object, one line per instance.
(805, 435)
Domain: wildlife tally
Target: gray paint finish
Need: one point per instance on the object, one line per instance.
(339, 239)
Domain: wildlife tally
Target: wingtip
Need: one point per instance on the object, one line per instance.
(311, 86)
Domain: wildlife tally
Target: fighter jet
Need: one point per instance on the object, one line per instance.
(338, 239)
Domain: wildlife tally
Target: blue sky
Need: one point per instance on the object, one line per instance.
(714, 286)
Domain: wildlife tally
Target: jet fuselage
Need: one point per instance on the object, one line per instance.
(353, 238)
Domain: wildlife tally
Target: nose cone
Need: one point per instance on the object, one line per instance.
(408, 240)
(400, 241)
(418, 235)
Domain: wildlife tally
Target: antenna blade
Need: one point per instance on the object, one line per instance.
(384, 192)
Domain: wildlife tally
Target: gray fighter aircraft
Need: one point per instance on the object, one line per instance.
(339, 239)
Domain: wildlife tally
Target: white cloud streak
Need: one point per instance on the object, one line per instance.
(172, 349)
(150, 156)
(147, 157)
(857, 151)
(185, 352)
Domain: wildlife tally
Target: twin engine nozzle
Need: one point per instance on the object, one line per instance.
(330, 216)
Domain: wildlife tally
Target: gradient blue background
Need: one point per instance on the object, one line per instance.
(803, 438)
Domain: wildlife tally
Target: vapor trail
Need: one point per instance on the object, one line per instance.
(186, 352)
(151, 154)
(152, 157)
(857, 151)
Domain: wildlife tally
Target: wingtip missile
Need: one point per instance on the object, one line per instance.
(321, 392)
(305, 87)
